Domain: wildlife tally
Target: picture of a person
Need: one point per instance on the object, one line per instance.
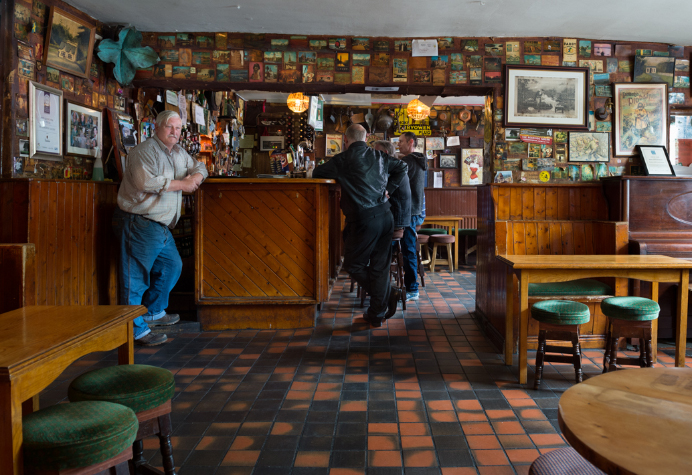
(641, 120)
(256, 75)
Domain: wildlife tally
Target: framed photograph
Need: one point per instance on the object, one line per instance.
(589, 147)
(122, 127)
(45, 122)
(69, 43)
(335, 144)
(83, 130)
(448, 161)
(640, 116)
(546, 97)
(655, 160)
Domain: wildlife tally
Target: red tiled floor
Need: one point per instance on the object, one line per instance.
(426, 389)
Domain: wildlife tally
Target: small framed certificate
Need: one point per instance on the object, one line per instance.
(655, 160)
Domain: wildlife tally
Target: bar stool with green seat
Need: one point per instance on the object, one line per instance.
(147, 390)
(559, 320)
(629, 317)
(81, 438)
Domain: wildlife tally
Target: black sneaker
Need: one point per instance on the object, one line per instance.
(394, 297)
(373, 321)
(152, 339)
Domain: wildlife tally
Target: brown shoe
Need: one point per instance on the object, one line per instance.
(373, 321)
(394, 297)
(152, 339)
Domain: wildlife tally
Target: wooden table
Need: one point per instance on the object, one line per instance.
(451, 222)
(634, 421)
(37, 343)
(561, 268)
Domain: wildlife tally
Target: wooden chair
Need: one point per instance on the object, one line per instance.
(82, 438)
(629, 317)
(147, 390)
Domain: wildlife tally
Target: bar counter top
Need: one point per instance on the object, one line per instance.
(231, 180)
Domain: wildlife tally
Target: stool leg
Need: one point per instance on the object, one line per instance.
(138, 454)
(614, 340)
(165, 431)
(353, 284)
(642, 349)
(450, 258)
(540, 354)
(400, 274)
(120, 469)
(361, 293)
(421, 269)
(433, 258)
(606, 350)
(576, 347)
(649, 354)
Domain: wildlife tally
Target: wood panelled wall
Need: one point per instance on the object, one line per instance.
(69, 222)
(457, 201)
(527, 202)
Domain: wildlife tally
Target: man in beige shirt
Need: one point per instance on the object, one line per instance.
(149, 202)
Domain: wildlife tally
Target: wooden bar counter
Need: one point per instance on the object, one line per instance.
(266, 251)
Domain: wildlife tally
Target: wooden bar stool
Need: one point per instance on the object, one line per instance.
(447, 241)
(81, 438)
(628, 317)
(559, 320)
(147, 390)
(565, 461)
(422, 246)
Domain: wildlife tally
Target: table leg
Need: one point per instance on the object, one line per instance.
(681, 337)
(10, 432)
(456, 245)
(509, 317)
(523, 326)
(126, 352)
(654, 324)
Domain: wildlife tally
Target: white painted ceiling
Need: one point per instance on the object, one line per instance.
(659, 21)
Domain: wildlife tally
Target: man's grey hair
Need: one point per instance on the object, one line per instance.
(163, 117)
(387, 146)
(356, 133)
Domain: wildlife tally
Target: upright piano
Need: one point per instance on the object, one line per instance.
(659, 213)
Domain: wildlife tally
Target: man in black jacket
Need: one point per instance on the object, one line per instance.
(367, 178)
(417, 165)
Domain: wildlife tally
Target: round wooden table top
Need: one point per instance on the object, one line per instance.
(632, 421)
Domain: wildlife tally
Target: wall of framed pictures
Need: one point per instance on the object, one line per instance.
(226, 60)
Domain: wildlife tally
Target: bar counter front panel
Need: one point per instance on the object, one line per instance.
(264, 251)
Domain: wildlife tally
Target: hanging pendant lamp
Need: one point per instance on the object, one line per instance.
(297, 102)
(416, 110)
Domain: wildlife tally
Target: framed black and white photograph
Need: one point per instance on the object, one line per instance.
(45, 122)
(83, 130)
(546, 96)
(448, 161)
(589, 147)
(655, 160)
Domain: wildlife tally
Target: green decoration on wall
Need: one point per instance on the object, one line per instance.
(127, 54)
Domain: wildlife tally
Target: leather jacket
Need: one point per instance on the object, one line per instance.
(364, 175)
(401, 204)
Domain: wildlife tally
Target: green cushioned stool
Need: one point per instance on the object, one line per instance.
(83, 437)
(147, 390)
(559, 320)
(432, 231)
(572, 287)
(629, 317)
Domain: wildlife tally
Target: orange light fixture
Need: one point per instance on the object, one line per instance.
(416, 110)
(297, 102)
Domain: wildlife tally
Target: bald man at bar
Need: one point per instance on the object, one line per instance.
(367, 178)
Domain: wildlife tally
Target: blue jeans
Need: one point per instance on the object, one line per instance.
(408, 247)
(149, 267)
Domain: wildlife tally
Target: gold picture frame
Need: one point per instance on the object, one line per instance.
(69, 43)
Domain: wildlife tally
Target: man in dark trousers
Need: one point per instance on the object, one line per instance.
(417, 165)
(367, 178)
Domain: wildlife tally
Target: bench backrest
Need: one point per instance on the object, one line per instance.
(560, 237)
(17, 276)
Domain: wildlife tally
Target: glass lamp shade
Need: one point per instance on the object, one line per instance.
(297, 102)
(416, 110)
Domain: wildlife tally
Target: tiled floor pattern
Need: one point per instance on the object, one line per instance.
(426, 394)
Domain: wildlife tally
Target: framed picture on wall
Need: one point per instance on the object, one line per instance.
(335, 144)
(83, 130)
(45, 122)
(472, 166)
(448, 161)
(69, 43)
(122, 128)
(655, 160)
(640, 116)
(546, 96)
(589, 147)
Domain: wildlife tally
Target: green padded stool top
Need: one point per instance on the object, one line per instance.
(431, 231)
(139, 387)
(77, 434)
(573, 287)
(561, 312)
(630, 308)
